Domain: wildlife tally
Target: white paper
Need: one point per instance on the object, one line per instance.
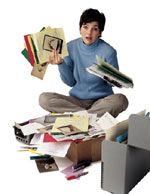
(92, 117)
(37, 138)
(106, 121)
(62, 163)
(55, 149)
(81, 113)
(31, 128)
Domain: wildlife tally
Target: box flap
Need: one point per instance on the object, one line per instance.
(139, 131)
(137, 166)
(113, 166)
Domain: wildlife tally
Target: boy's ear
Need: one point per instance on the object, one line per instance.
(100, 34)
(80, 30)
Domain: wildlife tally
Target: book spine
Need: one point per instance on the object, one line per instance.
(31, 56)
(35, 51)
(25, 53)
(34, 39)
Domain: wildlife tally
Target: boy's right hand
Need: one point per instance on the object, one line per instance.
(54, 58)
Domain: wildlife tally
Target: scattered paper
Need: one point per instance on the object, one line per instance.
(63, 163)
(37, 138)
(106, 121)
(31, 128)
(55, 149)
(91, 117)
(79, 122)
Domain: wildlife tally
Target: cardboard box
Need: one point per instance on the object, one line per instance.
(86, 150)
(124, 165)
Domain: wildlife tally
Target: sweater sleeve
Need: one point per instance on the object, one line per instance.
(112, 59)
(66, 72)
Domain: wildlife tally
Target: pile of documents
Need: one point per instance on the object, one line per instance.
(110, 74)
(39, 45)
(51, 135)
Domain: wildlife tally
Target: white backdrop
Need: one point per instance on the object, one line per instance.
(127, 29)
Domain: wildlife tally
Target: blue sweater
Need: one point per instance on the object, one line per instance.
(73, 69)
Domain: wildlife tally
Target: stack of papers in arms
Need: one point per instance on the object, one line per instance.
(110, 74)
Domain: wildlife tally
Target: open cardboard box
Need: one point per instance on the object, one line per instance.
(86, 150)
(124, 165)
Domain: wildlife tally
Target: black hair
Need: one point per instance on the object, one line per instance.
(93, 15)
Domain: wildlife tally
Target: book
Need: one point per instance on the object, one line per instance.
(29, 49)
(110, 74)
(25, 54)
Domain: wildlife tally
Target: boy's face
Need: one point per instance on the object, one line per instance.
(90, 32)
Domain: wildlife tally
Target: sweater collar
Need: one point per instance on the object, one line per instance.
(88, 47)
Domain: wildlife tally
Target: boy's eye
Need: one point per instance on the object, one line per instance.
(85, 27)
(95, 29)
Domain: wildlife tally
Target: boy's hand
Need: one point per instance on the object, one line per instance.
(54, 58)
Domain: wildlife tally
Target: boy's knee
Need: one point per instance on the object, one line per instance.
(122, 100)
(43, 99)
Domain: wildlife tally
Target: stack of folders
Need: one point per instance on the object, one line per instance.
(110, 74)
(39, 45)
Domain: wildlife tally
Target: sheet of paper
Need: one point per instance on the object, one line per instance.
(116, 130)
(39, 120)
(77, 121)
(31, 128)
(92, 117)
(37, 138)
(106, 121)
(119, 128)
(39, 70)
(62, 138)
(62, 163)
(42, 38)
(81, 113)
(55, 149)
(68, 170)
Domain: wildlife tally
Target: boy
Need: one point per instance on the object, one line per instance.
(88, 92)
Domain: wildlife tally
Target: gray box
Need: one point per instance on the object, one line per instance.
(124, 165)
(139, 132)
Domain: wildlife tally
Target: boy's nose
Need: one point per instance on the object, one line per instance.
(89, 31)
